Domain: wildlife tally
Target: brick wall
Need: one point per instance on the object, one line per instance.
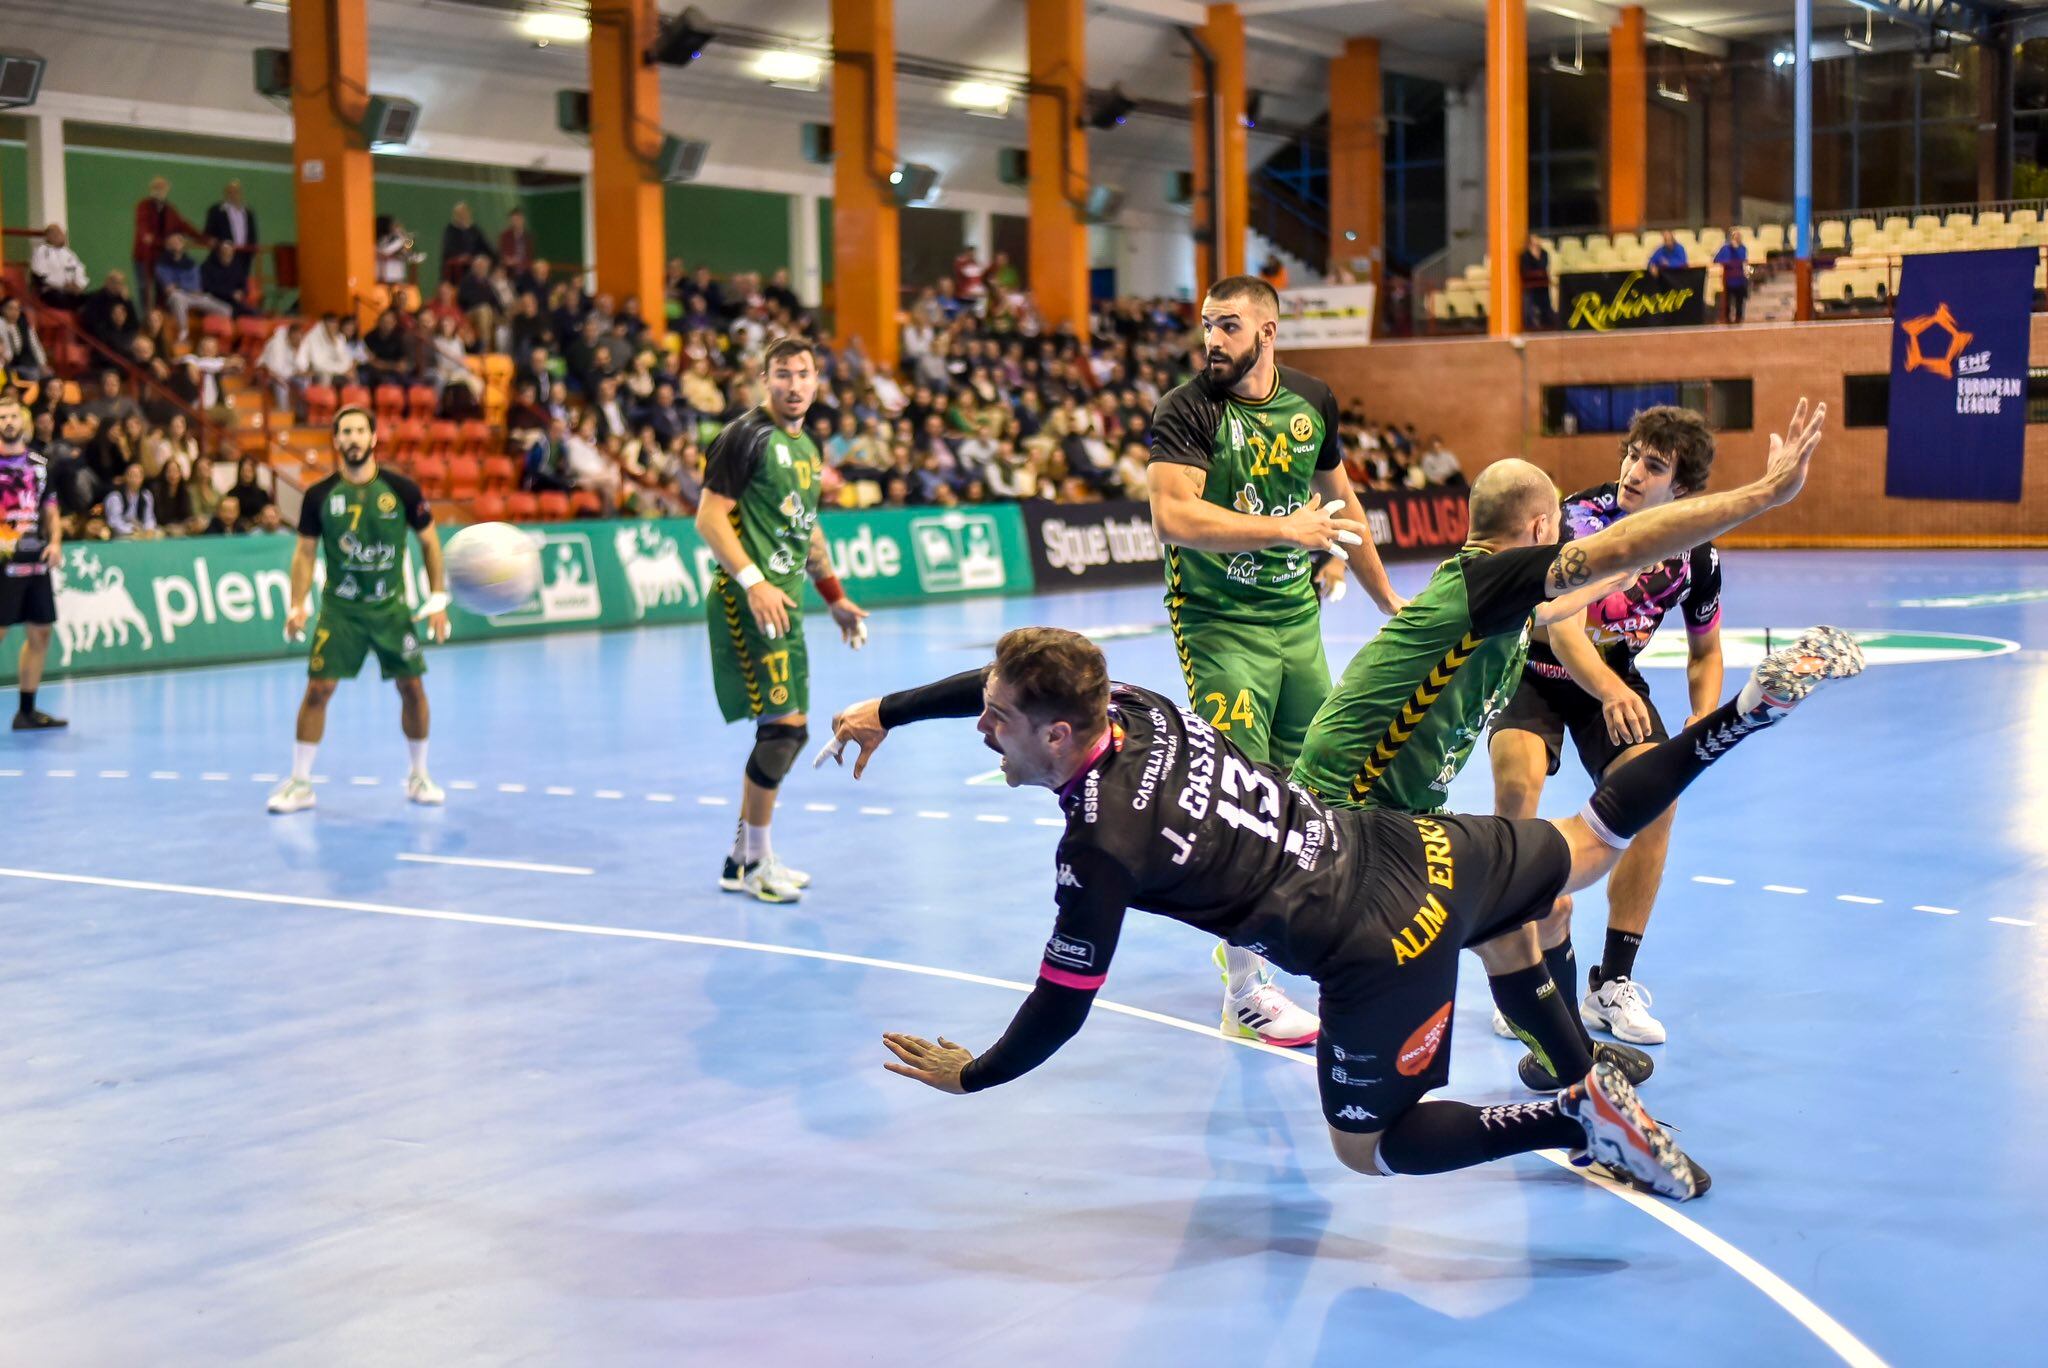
(1485, 397)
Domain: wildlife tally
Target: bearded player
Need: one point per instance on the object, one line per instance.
(357, 519)
(1246, 479)
(759, 516)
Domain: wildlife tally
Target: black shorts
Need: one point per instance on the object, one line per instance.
(27, 598)
(1431, 887)
(1551, 707)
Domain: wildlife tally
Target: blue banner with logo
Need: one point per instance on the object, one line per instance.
(1959, 375)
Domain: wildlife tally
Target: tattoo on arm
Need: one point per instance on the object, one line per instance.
(1570, 570)
(819, 562)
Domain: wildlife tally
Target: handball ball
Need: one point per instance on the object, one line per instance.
(493, 568)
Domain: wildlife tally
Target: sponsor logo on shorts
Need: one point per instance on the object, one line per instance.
(1067, 950)
(1354, 1112)
(1340, 1074)
(1419, 1050)
(1351, 1056)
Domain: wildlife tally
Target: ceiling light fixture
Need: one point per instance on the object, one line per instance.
(982, 97)
(553, 26)
(790, 70)
(271, 6)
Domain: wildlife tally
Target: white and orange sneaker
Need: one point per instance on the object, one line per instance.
(1621, 1136)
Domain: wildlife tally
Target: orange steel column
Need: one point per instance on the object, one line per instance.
(1224, 36)
(1357, 161)
(866, 255)
(627, 207)
(1059, 163)
(335, 197)
(1628, 123)
(1507, 159)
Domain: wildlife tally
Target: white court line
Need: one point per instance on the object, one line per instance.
(364, 781)
(521, 865)
(511, 788)
(1782, 888)
(1047, 822)
(2011, 921)
(557, 791)
(661, 797)
(163, 774)
(877, 812)
(1938, 911)
(61, 774)
(263, 778)
(113, 774)
(608, 793)
(1794, 1303)
(462, 785)
(707, 800)
(936, 816)
(821, 807)
(991, 817)
(10, 774)
(1710, 879)
(1854, 898)
(216, 777)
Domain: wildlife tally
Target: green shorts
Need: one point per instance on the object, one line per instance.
(753, 676)
(343, 636)
(1260, 683)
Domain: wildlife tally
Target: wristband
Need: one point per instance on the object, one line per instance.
(750, 576)
(829, 588)
(436, 602)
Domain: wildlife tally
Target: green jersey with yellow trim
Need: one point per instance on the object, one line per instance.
(362, 530)
(1261, 458)
(772, 479)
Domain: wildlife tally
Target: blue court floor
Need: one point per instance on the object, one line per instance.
(275, 1090)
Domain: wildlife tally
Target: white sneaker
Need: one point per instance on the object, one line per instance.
(1501, 1027)
(293, 795)
(424, 791)
(1621, 1007)
(1263, 1012)
(783, 874)
(758, 882)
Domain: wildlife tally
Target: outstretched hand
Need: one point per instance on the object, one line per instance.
(1791, 455)
(937, 1066)
(859, 726)
(1315, 526)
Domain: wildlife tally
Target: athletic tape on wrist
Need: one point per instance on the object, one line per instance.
(749, 576)
(436, 602)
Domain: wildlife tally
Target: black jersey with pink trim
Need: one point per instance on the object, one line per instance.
(1169, 817)
(1622, 624)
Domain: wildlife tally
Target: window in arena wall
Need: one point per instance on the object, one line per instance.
(1866, 399)
(1579, 410)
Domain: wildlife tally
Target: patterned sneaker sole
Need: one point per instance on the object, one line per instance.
(1820, 655)
(1239, 1031)
(1620, 1133)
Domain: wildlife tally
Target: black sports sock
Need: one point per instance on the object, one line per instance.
(1563, 963)
(1618, 960)
(1540, 1013)
(1632, 795)
(1437, 1137)
(28, 701)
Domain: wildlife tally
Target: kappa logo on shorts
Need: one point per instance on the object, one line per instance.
(1067, 879)
(1354, 1112)
(1419, 1050)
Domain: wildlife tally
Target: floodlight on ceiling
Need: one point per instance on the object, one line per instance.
(1577, 65)
(554, 26)
(981, 97)
(271, 6)
(1863, 44)
(790, 70)
(680, 40)
(1782, 58)
(1681, 95)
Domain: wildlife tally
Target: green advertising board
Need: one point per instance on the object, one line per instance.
(204, 600)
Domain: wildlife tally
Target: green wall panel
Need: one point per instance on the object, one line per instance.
(728, 230)
(102, 185)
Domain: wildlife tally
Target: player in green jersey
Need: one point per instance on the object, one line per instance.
(759, 516)
(1247, 482)
(356, 519)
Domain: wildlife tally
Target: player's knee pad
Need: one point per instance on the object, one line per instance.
(776, 747)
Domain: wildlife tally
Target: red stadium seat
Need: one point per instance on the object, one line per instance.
(489, 508)
(500, 473)
(390, 404)
(431, 472)
(320, 405)
(409, 435)
(476, 437)
(522, 507)
(354, 396)
(465, 477)
(218, 325)
(585, 503)
(420, 401)
(444, 439)
(252, 334)
(554, 506)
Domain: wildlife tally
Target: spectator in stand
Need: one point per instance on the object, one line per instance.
(585, 463)
(248, 492)
(396, 253)
(280, 362)
(589, 359)
(156, 219)
(970, 281)
(1733, 259)
(1534, 271)
(528, 327)
(269, 520)
(701, 390)
(1003, 277)
(780, 296)
(205, 492)
(451, 373)
(388, 352)
(461, 243)
(225, 277)
(56, 272)
(1669, 256)
(178, 287)
(171, 445)
(1274, 272)
(109, 314)
(324, 354)
(130, 507)
(539, 372)
(515, 244)
(21, 352)
(479, 300)
(226, 520)
(1440, 466)
(610, 411)
(233, 223)
(705, 287)
(664, 414)
(111, 405)
(171, 493)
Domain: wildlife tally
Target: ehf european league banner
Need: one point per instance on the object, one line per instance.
(1326, 316)
(1959, 376)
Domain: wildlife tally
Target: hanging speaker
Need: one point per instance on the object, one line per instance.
(1013, 166)
(389, 121)
(681, 159)
(1103, 204)
(913, 182)
(817, 146)
(273, 73)
(572, 112)
(1180, 188)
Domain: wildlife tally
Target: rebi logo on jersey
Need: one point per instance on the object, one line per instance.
(1078, 954)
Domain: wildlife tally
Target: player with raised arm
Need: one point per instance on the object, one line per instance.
(357, 519)
(1247, 483)
(1164, 814)
(759, 516)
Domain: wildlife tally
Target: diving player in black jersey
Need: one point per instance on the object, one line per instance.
(1165, 815)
